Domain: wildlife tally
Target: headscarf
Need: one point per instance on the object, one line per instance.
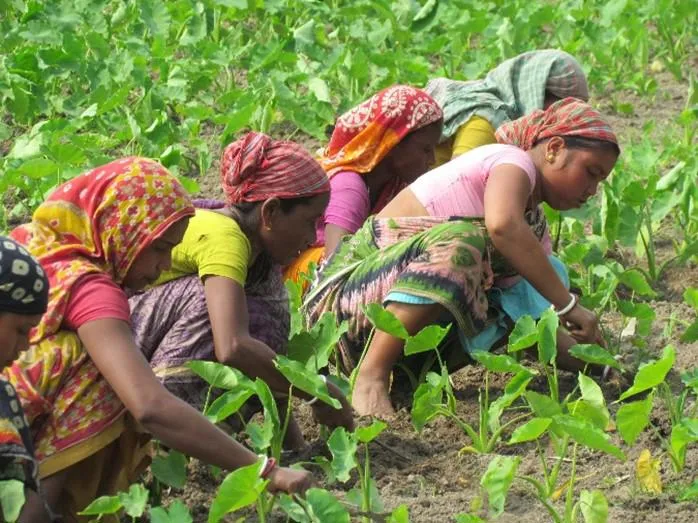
(567, 117)
(365, 135)
(23, 283)
(100, 222)
(513, 89)
(255, 168)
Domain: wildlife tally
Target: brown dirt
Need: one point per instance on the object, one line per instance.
(426, 472)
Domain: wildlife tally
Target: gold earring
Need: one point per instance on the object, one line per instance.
(550, 158)
(268, 227)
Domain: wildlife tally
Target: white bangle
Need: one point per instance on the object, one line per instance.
(567, 308)
(310, 402)
(264, 464)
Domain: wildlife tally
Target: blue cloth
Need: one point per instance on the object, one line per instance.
(514, 302)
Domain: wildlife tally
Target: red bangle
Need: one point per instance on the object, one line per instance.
(269, 465)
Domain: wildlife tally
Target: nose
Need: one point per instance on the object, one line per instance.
(431, 157)
(593, 189)
(165, 262)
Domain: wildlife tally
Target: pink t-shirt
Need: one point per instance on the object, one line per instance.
(349, 204)
(95, 296)
(457, 188)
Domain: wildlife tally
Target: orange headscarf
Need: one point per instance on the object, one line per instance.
(100, 222)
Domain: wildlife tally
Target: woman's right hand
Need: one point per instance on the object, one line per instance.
(583, 325)
(291, 481)
(328, 415)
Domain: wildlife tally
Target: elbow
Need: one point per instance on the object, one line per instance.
(501, 232)
(150, 410)
(233, 353)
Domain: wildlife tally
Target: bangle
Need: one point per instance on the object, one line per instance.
(267, 466)
(567, 308)
(311, 401)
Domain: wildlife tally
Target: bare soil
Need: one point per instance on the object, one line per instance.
(426, 472)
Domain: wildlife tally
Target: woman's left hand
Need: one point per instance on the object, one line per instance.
(328, 415)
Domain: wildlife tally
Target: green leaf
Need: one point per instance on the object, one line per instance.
(425, 15)
(541, 405)
(634, 279)
(191, 185)
(237, 120)
(218, 375)
(497, 480)
(430, 337)
(385, 321)
(547, 336)
(176, 513)
(691, 333)
(651, 374)
(343, 448)
(400, 515)
(38, 168)
(305, 380)
(524, 335)
(633, 418)
(170, 469)
(512, 391)
(305, 34)
(425, 401)
(102, 505)
(319, 88)
(11, 499)
(690, 493)
(323, 506)
(597, 416)
(239, 489)
(586, 434)
(681, 435)
(469, 518)
(135, 500)
(228, 404)
(690, 296)
(594, 506)
(314, 348)
(499, 363)
(530, 430)
(368, 434)
(594, 354)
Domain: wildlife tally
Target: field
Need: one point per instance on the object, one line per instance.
(86, 81)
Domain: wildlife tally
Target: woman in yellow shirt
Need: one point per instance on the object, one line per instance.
(474, 110)
(224, 298)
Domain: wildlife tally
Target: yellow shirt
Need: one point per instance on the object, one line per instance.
(475, 132)
(213, 245)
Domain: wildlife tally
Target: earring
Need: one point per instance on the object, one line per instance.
(550, 158)
(268, 227)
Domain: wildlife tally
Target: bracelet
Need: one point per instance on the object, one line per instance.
(311, 401)
(567, 308)
(267, 466)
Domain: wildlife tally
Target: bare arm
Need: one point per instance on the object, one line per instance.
(111, 346)
(333, 235)
(506, 195)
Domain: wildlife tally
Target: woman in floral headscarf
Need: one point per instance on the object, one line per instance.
(474, 110)
(107, 230)
(224, 299)
(376, 149)
(467, 269)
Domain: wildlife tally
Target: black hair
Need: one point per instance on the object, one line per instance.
(286, 204)
(580, 142)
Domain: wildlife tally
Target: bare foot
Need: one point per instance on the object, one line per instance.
(370, 398)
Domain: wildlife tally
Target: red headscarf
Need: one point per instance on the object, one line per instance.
(567, 117)
(364, 135)
(100, 222)
(255, 168)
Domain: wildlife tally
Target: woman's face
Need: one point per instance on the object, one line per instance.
(287, 233)
(414, 155)
(14, 335)
(155, 258)
(572, 176)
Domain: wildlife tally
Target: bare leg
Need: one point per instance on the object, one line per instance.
(370, 396)
(34, 510)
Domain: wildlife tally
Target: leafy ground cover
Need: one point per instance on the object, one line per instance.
(85, 81)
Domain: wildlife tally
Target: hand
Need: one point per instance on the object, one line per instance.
(583, 325)
(328, 415)
(291, 481)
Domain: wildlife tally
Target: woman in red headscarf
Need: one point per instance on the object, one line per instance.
(106, 231)
(376, 149)
(486, 266)
(224, 299)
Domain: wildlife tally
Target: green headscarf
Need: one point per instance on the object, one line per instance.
(513, 89)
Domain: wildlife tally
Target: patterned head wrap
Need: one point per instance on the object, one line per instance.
(255, 168)
(100, 222)
(23, 283)
(568, 117)
(513, 89)
(364, 136)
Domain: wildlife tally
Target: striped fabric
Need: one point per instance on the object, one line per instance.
(568, 117)
(255, 168)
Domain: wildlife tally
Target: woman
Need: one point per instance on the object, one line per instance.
(224, 299)
(23, 299)
(105, 231)
(375, 150)
(427, 268)
(473, 111)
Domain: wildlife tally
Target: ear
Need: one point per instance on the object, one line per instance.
(554, 147)
(269, 211)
